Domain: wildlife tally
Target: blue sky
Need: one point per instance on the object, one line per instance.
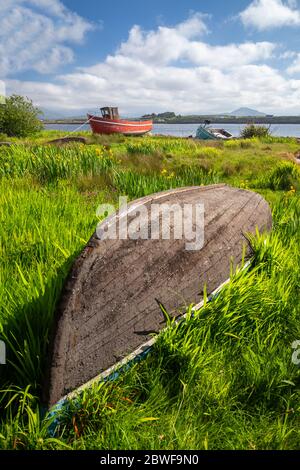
(188, 56)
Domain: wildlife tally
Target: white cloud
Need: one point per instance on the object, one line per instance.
(172, 69)
(287, 55)
(164, 45)
(137, 88)
(34, 33)
(194, 26)
(230, 55)
(267, 14)
(294, 68)
(178, 43)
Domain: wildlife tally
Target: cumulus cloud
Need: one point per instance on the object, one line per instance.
(268, 14)
(168, 45)
(173, 68)
(287, 55)
(33, 34)
(137, 88)
(294, 68)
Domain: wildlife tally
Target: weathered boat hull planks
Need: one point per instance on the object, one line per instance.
(108, 305)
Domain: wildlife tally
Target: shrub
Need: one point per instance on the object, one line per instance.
(254, 130)
(282, 177)
(19, 117)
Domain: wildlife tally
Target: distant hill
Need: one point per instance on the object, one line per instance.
(243, 112)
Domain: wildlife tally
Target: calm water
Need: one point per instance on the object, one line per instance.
(184, 130)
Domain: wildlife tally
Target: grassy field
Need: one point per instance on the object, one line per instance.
(223, 379)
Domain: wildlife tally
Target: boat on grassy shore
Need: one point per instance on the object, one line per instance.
(119, 288)
(205, 132)
(110, 123)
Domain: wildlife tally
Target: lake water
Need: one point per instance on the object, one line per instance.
(184, 130)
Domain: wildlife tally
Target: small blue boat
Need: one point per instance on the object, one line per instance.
(208, 133)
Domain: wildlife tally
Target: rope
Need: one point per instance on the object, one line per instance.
(77, 128)
(81, 125)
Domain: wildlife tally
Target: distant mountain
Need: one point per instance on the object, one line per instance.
(245, 112)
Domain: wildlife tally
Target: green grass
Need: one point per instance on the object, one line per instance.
(223, 379)
(40, 231)
(49, 164)
(283, 177)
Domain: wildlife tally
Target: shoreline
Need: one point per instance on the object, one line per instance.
(213, 119)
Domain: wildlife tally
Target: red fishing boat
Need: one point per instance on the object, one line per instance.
(110, 123)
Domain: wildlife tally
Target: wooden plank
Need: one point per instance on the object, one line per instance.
(108, 307)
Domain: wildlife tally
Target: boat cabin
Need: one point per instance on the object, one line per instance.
(109, 113)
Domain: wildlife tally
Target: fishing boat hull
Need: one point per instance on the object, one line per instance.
(101, 125)
(204, 134)
(208, 133)
(109, 305)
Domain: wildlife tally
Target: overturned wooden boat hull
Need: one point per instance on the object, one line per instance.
(109, 308)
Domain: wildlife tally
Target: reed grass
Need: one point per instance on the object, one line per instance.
(50, 163)
(136, 185)
(162, 145)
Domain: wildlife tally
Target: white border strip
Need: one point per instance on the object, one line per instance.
(2, 92)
